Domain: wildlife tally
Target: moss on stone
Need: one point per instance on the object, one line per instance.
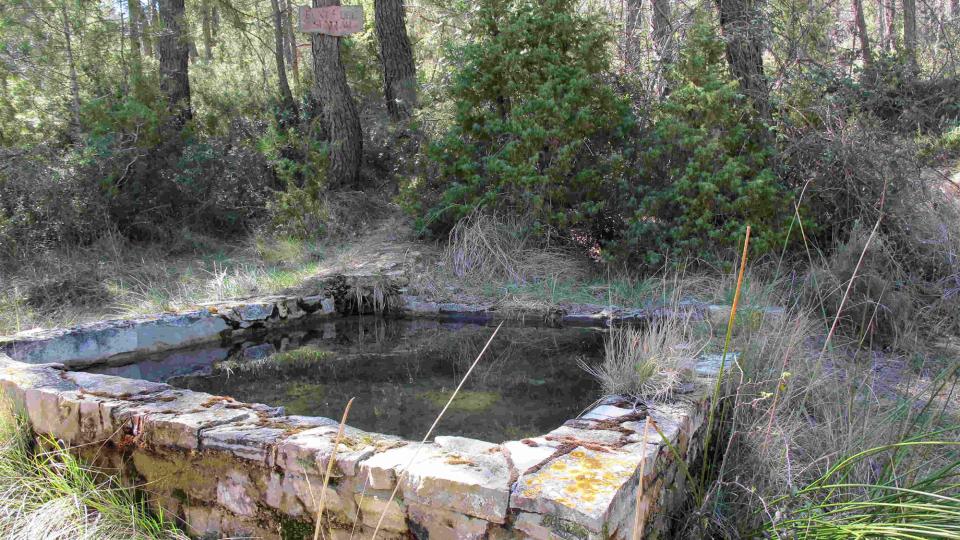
(466, 401)
(294, 529)
(566, 528)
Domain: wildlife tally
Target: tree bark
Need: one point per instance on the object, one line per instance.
(292, 45)
(740, 21)
(663, 31)
(205, 23)
(289, 113)
(861, 24)
(955, 8)
(148, 28)
(890, 31)
(339, 110)
(72, 66)
(632, 29)
(881, 23)
(136, 22)
(399, 71)
(910, 31)
(173, 48)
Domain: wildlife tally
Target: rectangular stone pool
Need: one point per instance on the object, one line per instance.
(401, 371)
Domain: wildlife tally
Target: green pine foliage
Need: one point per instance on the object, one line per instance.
(704, 169)
(537, 131)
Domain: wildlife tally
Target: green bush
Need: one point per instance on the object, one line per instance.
(703, 169)
(300, 164)
(536, 130)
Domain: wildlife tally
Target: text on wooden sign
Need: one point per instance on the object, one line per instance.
(331, 20)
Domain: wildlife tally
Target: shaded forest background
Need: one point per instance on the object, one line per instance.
(632, 133)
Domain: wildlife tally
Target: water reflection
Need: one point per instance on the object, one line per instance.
(402, 373)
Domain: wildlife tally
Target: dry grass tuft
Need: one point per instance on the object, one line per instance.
(49, 493)
(483, 248)
(649, 362)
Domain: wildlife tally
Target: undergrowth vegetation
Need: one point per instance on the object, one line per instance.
(50, 493)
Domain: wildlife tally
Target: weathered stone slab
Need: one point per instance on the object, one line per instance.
(371, 508)
(582, 436)
(431, 523)
(248, 441)
(109, 386)
(464, 445)
(91, 343)
(382, 470)
(473, 484)
(178, 330)
(606, 412)
(176, 417)
(414, 306)
(524, 456)
(310, 450)
(589, 488)
(234, 492)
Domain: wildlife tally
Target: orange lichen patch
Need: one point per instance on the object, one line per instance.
(583, 480)
(217, 399)
(458, 460)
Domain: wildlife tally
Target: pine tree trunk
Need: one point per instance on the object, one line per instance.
(890, 33)
(72, 66)
(910, 31)
(955, 8)
(136, 22)
(663, 31)
(881, 24)
(205, 23)
(289, 113)
(632, 30)
(399, 71)
(173, 48)
(292, 45)
(740, 21)
(339, 110)
(148, 28)
(861, 25)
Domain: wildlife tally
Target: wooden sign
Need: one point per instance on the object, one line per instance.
(331, 20)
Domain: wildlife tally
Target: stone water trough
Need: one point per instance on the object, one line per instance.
(226, 468)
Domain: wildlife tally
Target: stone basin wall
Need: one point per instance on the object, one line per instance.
(225, 468)
(120, 341)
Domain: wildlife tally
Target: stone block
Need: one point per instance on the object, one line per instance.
(176, 417)
(52, 412)
(586, 487)
(277, 494)
(371, 507)
(109, 386)
(202, 521)
(247, 441)
(477, 485)
(178, 330)
(437, 524)
(309, 451)
(381, 470)
(525, 456)
(234, 493)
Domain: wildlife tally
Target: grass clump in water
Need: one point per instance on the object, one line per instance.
(49, 493)
(304, 356)
(470, 401)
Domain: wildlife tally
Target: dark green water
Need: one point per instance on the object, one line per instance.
(401, 372)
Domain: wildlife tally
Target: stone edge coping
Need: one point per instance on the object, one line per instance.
(123, 339)
(528, 479)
